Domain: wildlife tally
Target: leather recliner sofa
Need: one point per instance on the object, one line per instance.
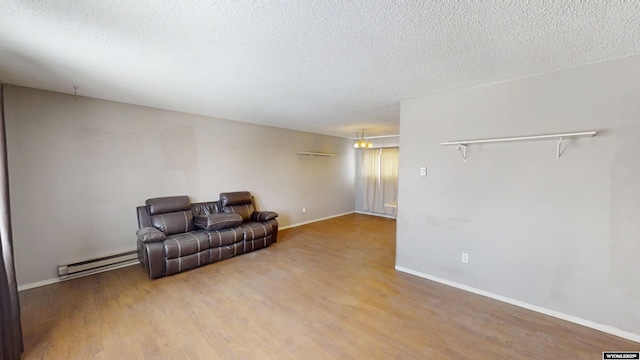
(175, 235)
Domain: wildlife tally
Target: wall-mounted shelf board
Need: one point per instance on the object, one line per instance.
(311, 153)
(462, 144)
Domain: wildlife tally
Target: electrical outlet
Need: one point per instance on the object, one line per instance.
(465, 258)
(423, 171)
(304, 210)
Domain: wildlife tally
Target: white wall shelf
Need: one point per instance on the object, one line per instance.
(311, 153)
(462, 144)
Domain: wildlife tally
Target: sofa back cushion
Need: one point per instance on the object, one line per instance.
(171, 215)
(205, 208)
(244, 211)
(235, 198)
(238, 202)
(168, 204)
(173, 222)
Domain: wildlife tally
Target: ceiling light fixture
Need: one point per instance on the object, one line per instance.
(361, 142)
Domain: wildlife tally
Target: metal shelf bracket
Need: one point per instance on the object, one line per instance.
(558, 147)
(463, 151)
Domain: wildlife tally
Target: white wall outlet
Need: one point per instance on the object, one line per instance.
(423, 171)
(304, 210)
(465, 258)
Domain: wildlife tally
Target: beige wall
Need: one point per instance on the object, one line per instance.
(560, 234)
(79, 167)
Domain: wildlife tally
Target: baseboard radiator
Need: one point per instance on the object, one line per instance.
(98, 265)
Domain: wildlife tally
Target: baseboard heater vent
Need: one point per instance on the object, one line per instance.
(98, 265)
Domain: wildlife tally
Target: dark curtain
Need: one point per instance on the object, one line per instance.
(10, 327)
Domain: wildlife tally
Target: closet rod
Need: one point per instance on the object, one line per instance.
(312, 153)
(521, 138)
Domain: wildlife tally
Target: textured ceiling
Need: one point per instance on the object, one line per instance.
(329, 67)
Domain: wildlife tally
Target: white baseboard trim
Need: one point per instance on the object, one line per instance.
(315, 220)
(38, 284)
(376, 214)
(574, 319)
(57, 280)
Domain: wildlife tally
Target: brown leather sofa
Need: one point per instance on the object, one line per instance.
(175, 235)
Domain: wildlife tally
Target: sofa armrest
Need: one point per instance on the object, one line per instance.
(154, 259)
(263, 215)
(150, 234)
(274, 226)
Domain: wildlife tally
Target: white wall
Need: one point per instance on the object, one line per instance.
(79, 167)
(563, 234)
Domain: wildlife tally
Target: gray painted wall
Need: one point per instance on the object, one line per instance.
(560, 234)
(79, 167)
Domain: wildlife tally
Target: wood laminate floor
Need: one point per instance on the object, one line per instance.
(326, 290)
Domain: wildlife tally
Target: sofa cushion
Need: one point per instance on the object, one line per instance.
(176, 265)
(235, 198)
(217, 221)
(173, 223)
(259, 243)
(168, 204)
(185, 244)
(263, 215)
(256, 230)
(225, 237)
(225, 252)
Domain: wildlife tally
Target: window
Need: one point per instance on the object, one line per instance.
(380, 179)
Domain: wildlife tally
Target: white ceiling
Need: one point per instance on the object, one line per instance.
(329, 67)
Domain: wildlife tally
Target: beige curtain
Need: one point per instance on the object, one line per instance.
(380, 179)
(371, 201)
(389, 178)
